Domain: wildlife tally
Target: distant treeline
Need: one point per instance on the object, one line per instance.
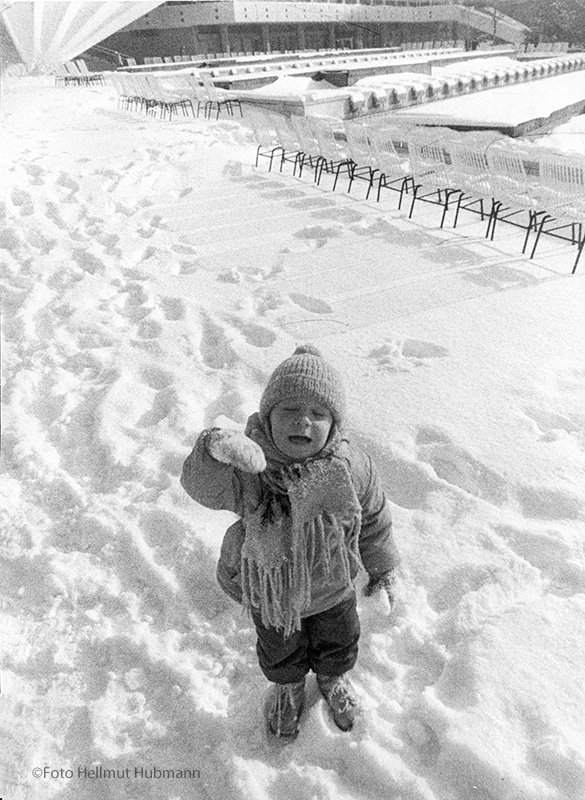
(548, 20)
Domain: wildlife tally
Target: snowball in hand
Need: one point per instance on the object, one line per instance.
(235, 448)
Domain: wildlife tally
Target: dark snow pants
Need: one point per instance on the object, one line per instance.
(327, 644)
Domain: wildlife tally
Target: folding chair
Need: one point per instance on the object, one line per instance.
(361, 152)
(146, 90)
(120, 86)
(129, 90)
(470, 168)
(265, 136)
(173, 94)
(392, 167)
(218, 98)
(511, 185)
(309, 144)
(561, 190)
(430, 169)
(334, 157)
(289, 140)
(196, 91)
(61, 75)
(73, 75)
(87, 76)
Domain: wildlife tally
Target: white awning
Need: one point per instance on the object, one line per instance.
(49, 32)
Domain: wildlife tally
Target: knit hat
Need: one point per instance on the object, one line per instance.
(305, 374)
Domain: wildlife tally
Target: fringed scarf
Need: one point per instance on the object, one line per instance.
(308, 518)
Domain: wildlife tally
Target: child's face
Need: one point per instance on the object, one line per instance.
(300, 428)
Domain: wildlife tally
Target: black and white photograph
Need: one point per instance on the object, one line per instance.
(292, 488)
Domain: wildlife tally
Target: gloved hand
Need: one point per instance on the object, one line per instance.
(235, 448)
(386, 582)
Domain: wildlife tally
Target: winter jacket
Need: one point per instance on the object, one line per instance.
(221, 486)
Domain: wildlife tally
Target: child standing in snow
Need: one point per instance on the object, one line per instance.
(311, 507)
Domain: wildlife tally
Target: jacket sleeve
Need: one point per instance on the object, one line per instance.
(376, 543)
(210, 482)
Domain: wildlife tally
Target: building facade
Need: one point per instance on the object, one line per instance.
(229, 27)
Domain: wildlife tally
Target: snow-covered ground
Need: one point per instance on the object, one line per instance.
(151, 280)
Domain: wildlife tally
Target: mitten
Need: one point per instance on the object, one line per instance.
(385, 581)
(235, 448)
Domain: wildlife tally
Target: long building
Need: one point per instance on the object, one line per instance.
(229, 27)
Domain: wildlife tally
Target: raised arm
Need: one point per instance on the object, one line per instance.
(219, 466)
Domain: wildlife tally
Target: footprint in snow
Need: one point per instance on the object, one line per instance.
(313, 202)
(403, 355)
(269, 184)
(36, 172)
(215, 348)
(184, 249)
(346, 215)
(233, 169)
(424, 739)
(254, 334)
(228, 404)
(499, 276)
(40, 242)
(157, 378)
(312, 304)
(407, 482)
(318, 235)
(542, 502)
(109, 242)
(189, 267)
(268, 300)
(456, 466)
(127, 211)
(281, 194)
(53, 213)
(87, 261)
(553, 426)
(23, 201)
(164, 402)
(157, 221)
(67, 182)
(552, 553)
(149, 329)
(173, 308)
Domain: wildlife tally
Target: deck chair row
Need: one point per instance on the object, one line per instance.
(186, 94)
(537, 189)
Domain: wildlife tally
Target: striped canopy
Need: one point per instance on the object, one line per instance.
(47, 33)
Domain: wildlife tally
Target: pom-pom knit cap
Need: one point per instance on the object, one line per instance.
(305, 374)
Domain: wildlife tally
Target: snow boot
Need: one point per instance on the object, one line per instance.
(284, 709)
(341, 699)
